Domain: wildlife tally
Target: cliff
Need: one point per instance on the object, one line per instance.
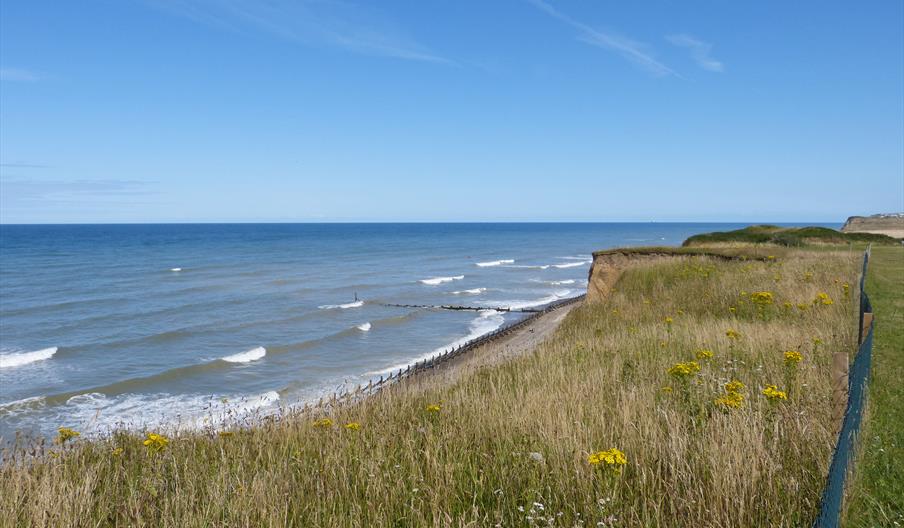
(891, 224)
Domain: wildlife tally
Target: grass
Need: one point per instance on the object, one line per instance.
(876, 497)
(785, 236)
(509, 445)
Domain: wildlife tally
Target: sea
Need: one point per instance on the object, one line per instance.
(188, 325)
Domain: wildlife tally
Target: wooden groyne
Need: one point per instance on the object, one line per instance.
(376, 385)
(465, 308)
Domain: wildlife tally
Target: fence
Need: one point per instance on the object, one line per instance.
(375, 386)
(858, 378)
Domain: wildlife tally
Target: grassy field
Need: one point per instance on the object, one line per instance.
(623, 418)
(877, 495)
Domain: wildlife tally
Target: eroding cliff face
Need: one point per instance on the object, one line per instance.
(607, 268)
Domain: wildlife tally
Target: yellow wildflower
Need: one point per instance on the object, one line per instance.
(734, 386)
(116, 452)
(817, 341)
(684, 370)
(823, 298)
(680, 312)
(772, 393)
(793, 357)
(433, 408)
(323, 423)
(802, 307)
(730, 400)
(226, 434)
(668, 321)
(666, 389)
(64, 434)
(732, 309)
(704, 354)
(761, 297)
(732, 334)
(787, 305)
(847, 289)
(808, 276)
(353, 426)
(770, 257)
(156, 442)
(613, 458)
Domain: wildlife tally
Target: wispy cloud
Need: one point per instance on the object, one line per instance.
(356, 28)
(23, 192)
(699, 51)
(633, 51)
(18, 75)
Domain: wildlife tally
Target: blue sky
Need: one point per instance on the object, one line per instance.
(419, 110)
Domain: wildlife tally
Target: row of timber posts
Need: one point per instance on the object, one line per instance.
(375, 386)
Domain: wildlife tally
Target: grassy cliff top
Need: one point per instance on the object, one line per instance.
(785, 236)
(746, 252)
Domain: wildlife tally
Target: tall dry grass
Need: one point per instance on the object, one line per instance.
(510, 443)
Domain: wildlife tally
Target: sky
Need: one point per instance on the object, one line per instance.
(450, 110)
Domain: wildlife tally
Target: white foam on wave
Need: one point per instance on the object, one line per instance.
(364, 327)
(572, 264)
(439, 280)
(472, 291)
(17, 359)
(495, 263)
(95, 413)
(579, 257)
(520, 305)
(175, 269)
(486, 322)
(540, 266)
(246, 357)
(356, 304)
(555, 282)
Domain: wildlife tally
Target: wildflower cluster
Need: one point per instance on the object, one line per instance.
(823, 298)
(433, 408)
(323, 423)
(732, 398)
(704, 354)
(792, 358)
(773, 394)
(732, 335)
(612, 459)
(761, 297)
(64, 434)
(684, 370)
(155, 442)
(353, 426)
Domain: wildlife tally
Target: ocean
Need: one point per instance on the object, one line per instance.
(173, 325)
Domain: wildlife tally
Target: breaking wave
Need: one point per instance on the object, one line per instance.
(439, 280)
(17, 359)
(495, 263)
(356, 304)
(246, 357)
(364, 327)
(472, 291)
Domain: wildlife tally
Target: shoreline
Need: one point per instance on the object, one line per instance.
(505, 343)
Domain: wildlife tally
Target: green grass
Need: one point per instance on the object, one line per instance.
(876, 496)
(785, 236)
